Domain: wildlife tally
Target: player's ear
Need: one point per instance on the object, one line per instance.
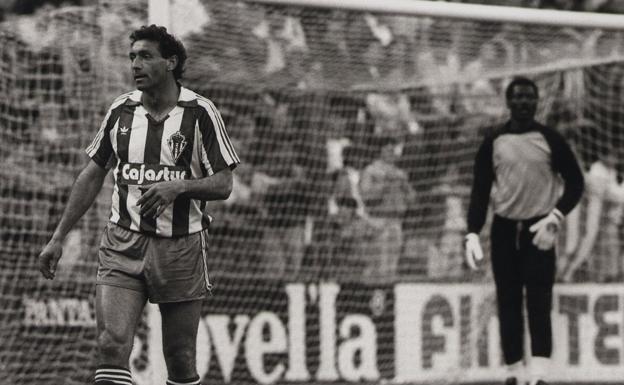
(172, 62)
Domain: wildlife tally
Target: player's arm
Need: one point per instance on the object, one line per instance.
(565, 164)
(210, 188)
(217, 158)
(483, 178)
(84, 191)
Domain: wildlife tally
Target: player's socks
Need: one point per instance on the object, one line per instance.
(514, 372)
(539, 370)
(187, 381)
(112, 375)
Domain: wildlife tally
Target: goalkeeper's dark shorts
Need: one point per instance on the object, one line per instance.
(165, 269)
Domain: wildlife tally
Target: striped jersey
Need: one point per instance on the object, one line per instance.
(189, 143)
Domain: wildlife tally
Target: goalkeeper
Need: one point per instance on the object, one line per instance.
(534, 180)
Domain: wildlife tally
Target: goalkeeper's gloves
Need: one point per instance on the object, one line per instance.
(546, 230)
(473, 250)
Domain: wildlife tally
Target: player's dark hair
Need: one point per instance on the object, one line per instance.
(520, 81)
(168, 45)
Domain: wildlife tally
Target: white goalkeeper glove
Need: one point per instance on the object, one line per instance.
(473, 250)
(546, 230)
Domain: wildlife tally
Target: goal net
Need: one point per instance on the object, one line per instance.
(338, 256)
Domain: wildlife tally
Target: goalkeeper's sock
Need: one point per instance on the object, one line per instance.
(515, 370)
(187, 381)
(539, 369)
(112, 375)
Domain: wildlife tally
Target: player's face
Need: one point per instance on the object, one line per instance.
(149, 68)
(522, 102)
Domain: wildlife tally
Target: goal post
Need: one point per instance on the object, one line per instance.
(466, 11)
(159, 13)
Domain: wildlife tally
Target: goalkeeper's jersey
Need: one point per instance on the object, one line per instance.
(189, 143)
(524, 174)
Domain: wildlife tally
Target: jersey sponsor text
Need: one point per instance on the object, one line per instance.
(141, 174)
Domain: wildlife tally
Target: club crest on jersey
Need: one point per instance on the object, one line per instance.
(176, 143)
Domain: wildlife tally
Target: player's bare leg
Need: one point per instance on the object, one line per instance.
(118, 311)
(180, 321)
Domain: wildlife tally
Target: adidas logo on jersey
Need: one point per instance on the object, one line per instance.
(139, 174)
(123, 130)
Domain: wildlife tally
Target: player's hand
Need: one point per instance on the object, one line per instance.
(49, 258)
(473, 250)
(157, 197)
(546, 230)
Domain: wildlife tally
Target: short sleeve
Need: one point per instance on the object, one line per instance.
(217, 151)
(101, 150)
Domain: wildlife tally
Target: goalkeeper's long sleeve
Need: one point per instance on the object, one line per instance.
(564, 163)
(483, 177)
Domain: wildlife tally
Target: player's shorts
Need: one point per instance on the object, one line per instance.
(165, 269)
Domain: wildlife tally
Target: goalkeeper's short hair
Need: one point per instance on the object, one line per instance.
(520, 81)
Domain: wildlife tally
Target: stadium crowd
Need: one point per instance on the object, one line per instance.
(356, 162)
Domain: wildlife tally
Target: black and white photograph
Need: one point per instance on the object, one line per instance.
(311, 192)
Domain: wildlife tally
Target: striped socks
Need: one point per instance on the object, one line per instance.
(112, 375)
(117, 375)
(188, 381)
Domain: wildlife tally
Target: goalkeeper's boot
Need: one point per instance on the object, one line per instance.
(511, 381)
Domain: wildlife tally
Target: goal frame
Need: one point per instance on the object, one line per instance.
(159, 12)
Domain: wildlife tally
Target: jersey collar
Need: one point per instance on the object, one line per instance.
(532, 126)
(187, 98)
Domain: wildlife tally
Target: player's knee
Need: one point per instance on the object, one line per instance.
(113, 348)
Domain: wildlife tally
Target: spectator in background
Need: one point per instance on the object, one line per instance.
(562, 5)
(354, 239)
(448, 259)
(392, 115)
(282, 32)
(367, 37)
(402, 65)
(346, 182)
(336, 56)
(439, 66)
(482, 95)
(351, 234)
(314, 24)
(287, 203)
(610, 6)
(387, 195)
(272, 126)
(374, 60)
(239, 216)
(600, 247)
